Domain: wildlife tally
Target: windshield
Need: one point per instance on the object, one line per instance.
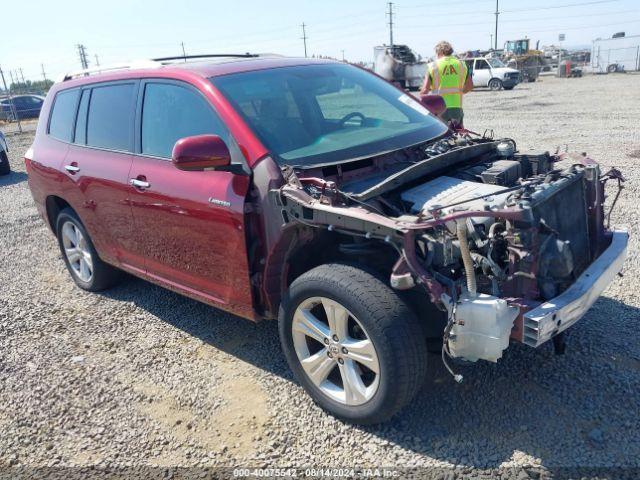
(495, 63)
(317, 114)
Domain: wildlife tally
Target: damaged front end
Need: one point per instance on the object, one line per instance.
(511, 246)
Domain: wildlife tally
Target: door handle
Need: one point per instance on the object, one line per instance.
(72, 168)
(142, 184)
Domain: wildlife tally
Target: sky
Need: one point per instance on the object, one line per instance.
(45, 32)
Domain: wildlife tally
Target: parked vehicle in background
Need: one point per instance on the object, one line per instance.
(492, 73)
(518, 54)
(25, 106)
(319, 194)
(5, 168)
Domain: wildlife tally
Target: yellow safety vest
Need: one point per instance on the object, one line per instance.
(447, 76)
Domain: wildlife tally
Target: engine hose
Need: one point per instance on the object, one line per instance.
(466, 257)
(488, 265)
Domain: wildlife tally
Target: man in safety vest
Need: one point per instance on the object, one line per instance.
(449, 78)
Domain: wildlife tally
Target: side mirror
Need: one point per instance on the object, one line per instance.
(200, 152)
(434, 103)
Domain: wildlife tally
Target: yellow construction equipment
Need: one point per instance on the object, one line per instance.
(518, 55)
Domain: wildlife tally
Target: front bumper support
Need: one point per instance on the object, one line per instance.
(558, 314)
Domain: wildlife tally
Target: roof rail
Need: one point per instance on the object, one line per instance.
(154, 63)
(212, 55)
(110, 68)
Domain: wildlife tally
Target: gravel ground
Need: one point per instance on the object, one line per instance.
(141, 376)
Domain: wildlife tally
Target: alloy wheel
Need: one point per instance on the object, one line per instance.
(335, 351)
(77, 251)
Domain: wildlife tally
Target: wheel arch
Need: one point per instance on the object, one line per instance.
(306, 249)
(53, 206)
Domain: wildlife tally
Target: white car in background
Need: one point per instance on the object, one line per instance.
(492, 73)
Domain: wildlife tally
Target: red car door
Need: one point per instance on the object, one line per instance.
(189, 226)
(97, 166)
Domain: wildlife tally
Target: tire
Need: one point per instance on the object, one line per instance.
(90, 273)
(5, 167)
(495, 84)
(377, 318)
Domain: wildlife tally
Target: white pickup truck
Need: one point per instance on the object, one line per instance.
(492, 73)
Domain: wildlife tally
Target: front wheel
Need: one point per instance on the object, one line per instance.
(495, 84)
(352, 343)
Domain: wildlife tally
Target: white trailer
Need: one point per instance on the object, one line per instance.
(616, 54)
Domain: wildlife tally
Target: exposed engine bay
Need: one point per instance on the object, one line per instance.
(487, 232)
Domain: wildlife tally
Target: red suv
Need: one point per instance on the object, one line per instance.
(319, 194)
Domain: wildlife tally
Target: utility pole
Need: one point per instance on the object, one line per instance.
(13, 82)
(97, 61)
(342, 54)
(82, 52)
(184, 54)
(304, 38)
(12, 106)
(4, 83)
(390, 13)
(496, 35)
(22, 76)
(44, 75)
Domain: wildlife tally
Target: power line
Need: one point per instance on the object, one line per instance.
(581, 4)
(620, 12)
(353, 33)
(449, 4)
(304, 38)
(486, 12)
(555, 29)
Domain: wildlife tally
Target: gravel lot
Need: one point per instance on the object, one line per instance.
(141, 376)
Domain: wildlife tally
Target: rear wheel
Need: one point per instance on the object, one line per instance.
(352, 343)
(87, 270)
(5, 168)
(495, 84)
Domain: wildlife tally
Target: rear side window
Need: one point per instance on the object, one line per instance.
(171, 112)
(63, 115)
(110, 119)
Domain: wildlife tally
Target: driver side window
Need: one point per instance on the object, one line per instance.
(171, 112)
(482, 65)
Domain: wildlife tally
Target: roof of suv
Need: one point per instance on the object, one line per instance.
(226, 65)
(206, 67)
